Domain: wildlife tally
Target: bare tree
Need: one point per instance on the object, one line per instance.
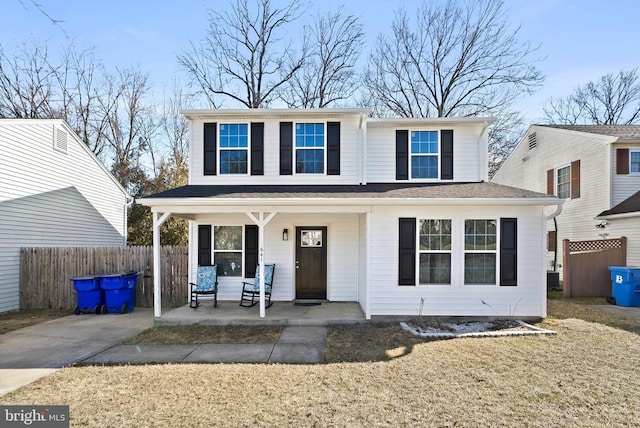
(334, 42)
(130, 126)
(613, 99)
(27, 84)
(504, 135)
(457, 59)
(244, 57)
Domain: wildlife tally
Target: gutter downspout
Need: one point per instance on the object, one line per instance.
(555, 224)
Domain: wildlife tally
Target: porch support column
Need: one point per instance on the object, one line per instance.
(261, 221)
(157, 298)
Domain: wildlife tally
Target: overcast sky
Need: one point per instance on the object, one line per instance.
(580, 40)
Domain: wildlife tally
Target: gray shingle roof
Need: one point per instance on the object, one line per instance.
(625, 132)
(373, 190)
(629, 205)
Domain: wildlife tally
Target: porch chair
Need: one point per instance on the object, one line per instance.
(207, 284)
(251, 290)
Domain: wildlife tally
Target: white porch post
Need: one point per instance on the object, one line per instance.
(157, 281)
(261, 222)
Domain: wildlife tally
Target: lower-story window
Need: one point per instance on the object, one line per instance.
(227, 250)
(435, 251)
(480, 244)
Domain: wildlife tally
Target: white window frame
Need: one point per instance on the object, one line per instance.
(214, 251)
(633, 150)
(557, 182)
(428, 251)
(436, 155)
(219, 150)
(495, 252)
(324, 148)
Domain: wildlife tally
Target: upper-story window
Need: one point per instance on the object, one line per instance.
(424, 154)
(563, 182)
(634, 162)
(234, 148)
(310, 148)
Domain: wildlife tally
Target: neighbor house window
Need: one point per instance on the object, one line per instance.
(480, 243)
(435, 251)
(227, 250)
(424, 154)
(234, 148)
(563, 182)
(634, 162)
(310, 144)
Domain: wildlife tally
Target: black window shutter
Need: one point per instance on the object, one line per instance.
(333, 148)
(508, 251)
(210, 149)
(446, 154)
(402, 155)
(257, 148)
(407, 252)
(286, 148)
(204, 245)
(250, 250)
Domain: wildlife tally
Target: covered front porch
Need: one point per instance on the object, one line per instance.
(281, 313)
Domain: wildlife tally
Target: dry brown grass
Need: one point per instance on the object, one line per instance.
(202, 334)
(14, 320)
(587, 375)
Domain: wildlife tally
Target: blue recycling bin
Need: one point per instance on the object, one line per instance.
(119, 291)
(625, 285)
(90, 296)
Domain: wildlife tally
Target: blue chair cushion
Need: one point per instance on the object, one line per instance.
(207, 279)
(268, 278)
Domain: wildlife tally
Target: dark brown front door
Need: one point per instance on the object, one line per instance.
(311, 262)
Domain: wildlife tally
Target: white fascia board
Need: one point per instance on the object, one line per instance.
(206, 114)
(171, 204)
(618, 216)
(426, 121)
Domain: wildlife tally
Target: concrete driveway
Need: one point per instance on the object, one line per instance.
(31, 352)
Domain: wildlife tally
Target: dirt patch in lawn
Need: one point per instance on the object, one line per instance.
(14, 320)
(204, 334)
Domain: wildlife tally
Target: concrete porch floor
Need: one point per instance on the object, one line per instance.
(280, 313)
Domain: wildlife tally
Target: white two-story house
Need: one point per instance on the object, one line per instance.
(594, 169)
(383, 212)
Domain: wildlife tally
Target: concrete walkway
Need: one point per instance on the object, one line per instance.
(36, 351)
(297, 345)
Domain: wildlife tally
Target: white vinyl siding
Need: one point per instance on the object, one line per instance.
(51, 198)
(624, 185)
(469, 153)
(350, 153)
(557, 148)
(457, 299)
(343, 258)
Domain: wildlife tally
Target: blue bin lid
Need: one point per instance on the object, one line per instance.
(83, 278)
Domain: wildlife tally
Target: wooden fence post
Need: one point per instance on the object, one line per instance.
(566, 276)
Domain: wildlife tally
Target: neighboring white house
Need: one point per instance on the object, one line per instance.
(595, 169)
(383, 212)
(53, 192)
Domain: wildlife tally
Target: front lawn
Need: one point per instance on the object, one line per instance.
(587, 375)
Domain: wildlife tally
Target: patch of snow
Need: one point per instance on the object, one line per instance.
(497, 328)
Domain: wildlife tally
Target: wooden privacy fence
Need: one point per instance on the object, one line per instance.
(45, 273)
(585, 271)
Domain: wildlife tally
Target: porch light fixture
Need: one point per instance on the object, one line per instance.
(285, 234)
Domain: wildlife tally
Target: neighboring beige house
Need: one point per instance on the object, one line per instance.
(594, 169)
(54, 192)
(383, 212)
